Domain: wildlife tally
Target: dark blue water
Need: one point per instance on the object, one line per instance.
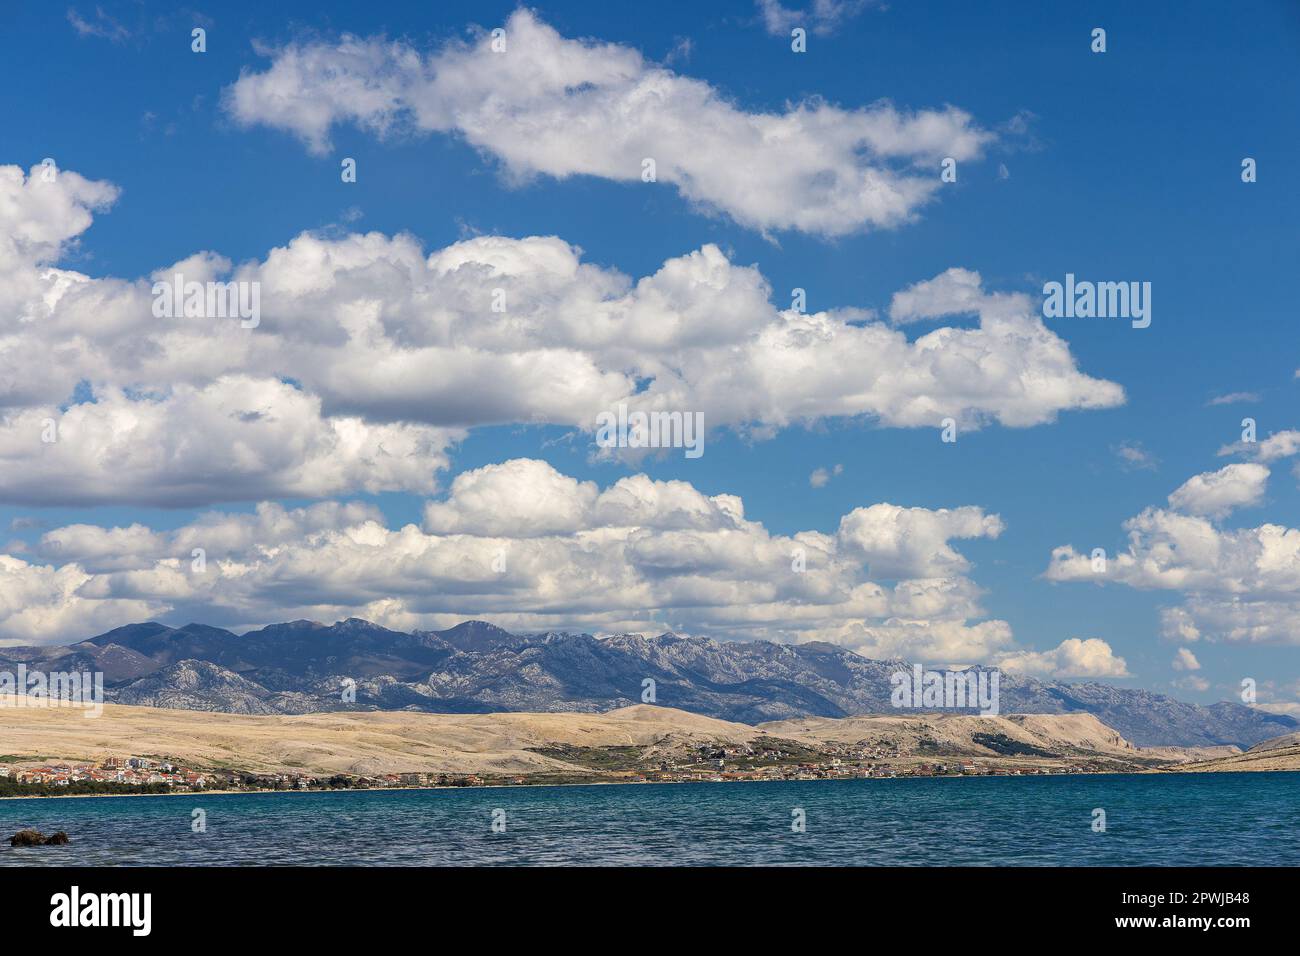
(1245, 819)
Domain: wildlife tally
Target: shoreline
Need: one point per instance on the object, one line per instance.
(616, 783)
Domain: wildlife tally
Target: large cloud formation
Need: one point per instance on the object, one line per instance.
(523, 545)
(546, 105)
(372, 359)
(529, 547)
(1239, 584)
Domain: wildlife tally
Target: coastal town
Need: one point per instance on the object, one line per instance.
(775, 759)
(131, 771)
(154, 775)
(765, 759)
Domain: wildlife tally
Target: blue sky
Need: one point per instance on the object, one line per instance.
(1118, 166)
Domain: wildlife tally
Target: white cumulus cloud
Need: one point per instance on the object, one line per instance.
(1216, 493)
(523, 545)
(395, 352)
(1237, 584)
(548, 105)
(1073, 657)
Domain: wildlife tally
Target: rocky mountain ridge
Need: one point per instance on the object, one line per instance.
(305, 667)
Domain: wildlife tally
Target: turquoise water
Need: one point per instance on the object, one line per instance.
(1237, 819)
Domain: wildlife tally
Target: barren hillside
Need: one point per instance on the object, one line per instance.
(375, 742)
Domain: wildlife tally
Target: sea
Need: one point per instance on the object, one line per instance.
(1225, 819)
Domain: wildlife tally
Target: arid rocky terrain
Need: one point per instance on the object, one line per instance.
(619, 742)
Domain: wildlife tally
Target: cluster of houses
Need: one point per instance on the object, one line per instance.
(750, 762)
(140, 771)
(135, 771)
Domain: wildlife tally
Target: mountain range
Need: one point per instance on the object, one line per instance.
(305, 667)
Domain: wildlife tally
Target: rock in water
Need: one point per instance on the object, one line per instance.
(37, 838)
